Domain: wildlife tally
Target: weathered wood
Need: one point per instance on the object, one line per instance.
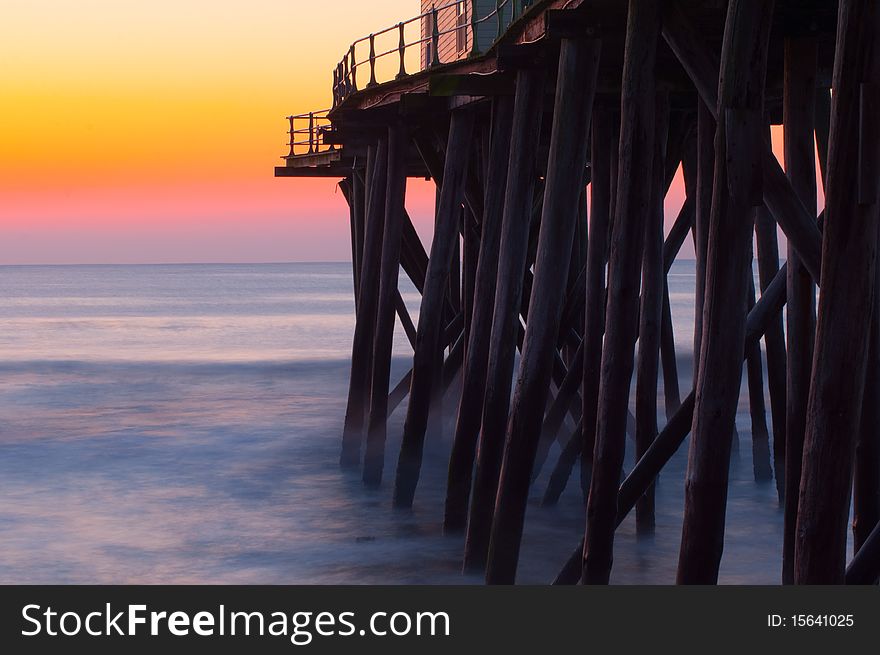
(774, 341)
(866, 472)
(865, 566)
(703, 210)
(672, 245)
(632, 209)
(358, 222)
(515, 226)
(601, 163)
(455, 269)
(346, 186)
(701, 64)
(651, 314)
(406, 321)
(470, 409)
(383, 336)
(799, 122)
(428, 348)
(471, 235)
(604, 148)
(761, 468)
(576, 86)
(737, 189)
(361, 351)
(414, 259)
(565, 397)
(846, 298)
(667, 443)
(451, 338)
(668, 360)
(823, 126)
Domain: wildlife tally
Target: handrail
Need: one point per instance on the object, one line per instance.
(315, 124)
(307, 131)
(345, 73)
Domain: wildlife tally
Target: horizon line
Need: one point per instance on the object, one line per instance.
(218, 263)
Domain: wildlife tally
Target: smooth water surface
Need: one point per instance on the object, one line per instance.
(181, 424)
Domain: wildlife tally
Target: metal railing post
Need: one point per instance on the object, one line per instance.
(435, 38)
(401, 49)
(354, 85)
(312, 145)
(291, 140)
(346, 75)
(372, 81)
(475, 48)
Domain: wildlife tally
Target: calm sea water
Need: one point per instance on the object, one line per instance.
(181, 424)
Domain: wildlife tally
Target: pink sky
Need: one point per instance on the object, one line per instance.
(148, 132)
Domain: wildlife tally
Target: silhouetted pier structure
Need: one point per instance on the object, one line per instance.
(552, 149)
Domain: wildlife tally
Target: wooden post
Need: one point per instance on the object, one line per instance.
(346, 186)
(603, 171)
(374, 458)
(428, 341)
(700, 63)
(737, 190)
(650, 314)
(846, 298)
(470, 237)
(755, 376)
(515, 226)
(565, 399)
(774, 341)
(865, 566)
(866, 473)
(633, 209)
(470, 409)
(799, 120)
(576, 86)
(361, 351)
(705, 182)
(359, 198)
(668, 362)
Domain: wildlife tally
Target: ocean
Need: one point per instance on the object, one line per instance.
(181, 424)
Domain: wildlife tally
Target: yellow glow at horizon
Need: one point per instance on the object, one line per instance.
(102, 92)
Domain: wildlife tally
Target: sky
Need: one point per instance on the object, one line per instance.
(135, 132)
(147, 132)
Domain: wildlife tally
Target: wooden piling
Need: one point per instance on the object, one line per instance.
(651, 314)
(737, 190)
(684, 39)
(761, 468)
(428, 348)
(799, 121)
(866, 472)
(846, 298)
(632, 210)
(774, 341)
(604, 148)
(576, 86)
(383, 339)
(705, 181)
(362, 343)
(515, 227)
(470, 409)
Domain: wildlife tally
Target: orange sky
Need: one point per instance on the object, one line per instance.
(147, 131)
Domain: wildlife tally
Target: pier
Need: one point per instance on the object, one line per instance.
(553, 130)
